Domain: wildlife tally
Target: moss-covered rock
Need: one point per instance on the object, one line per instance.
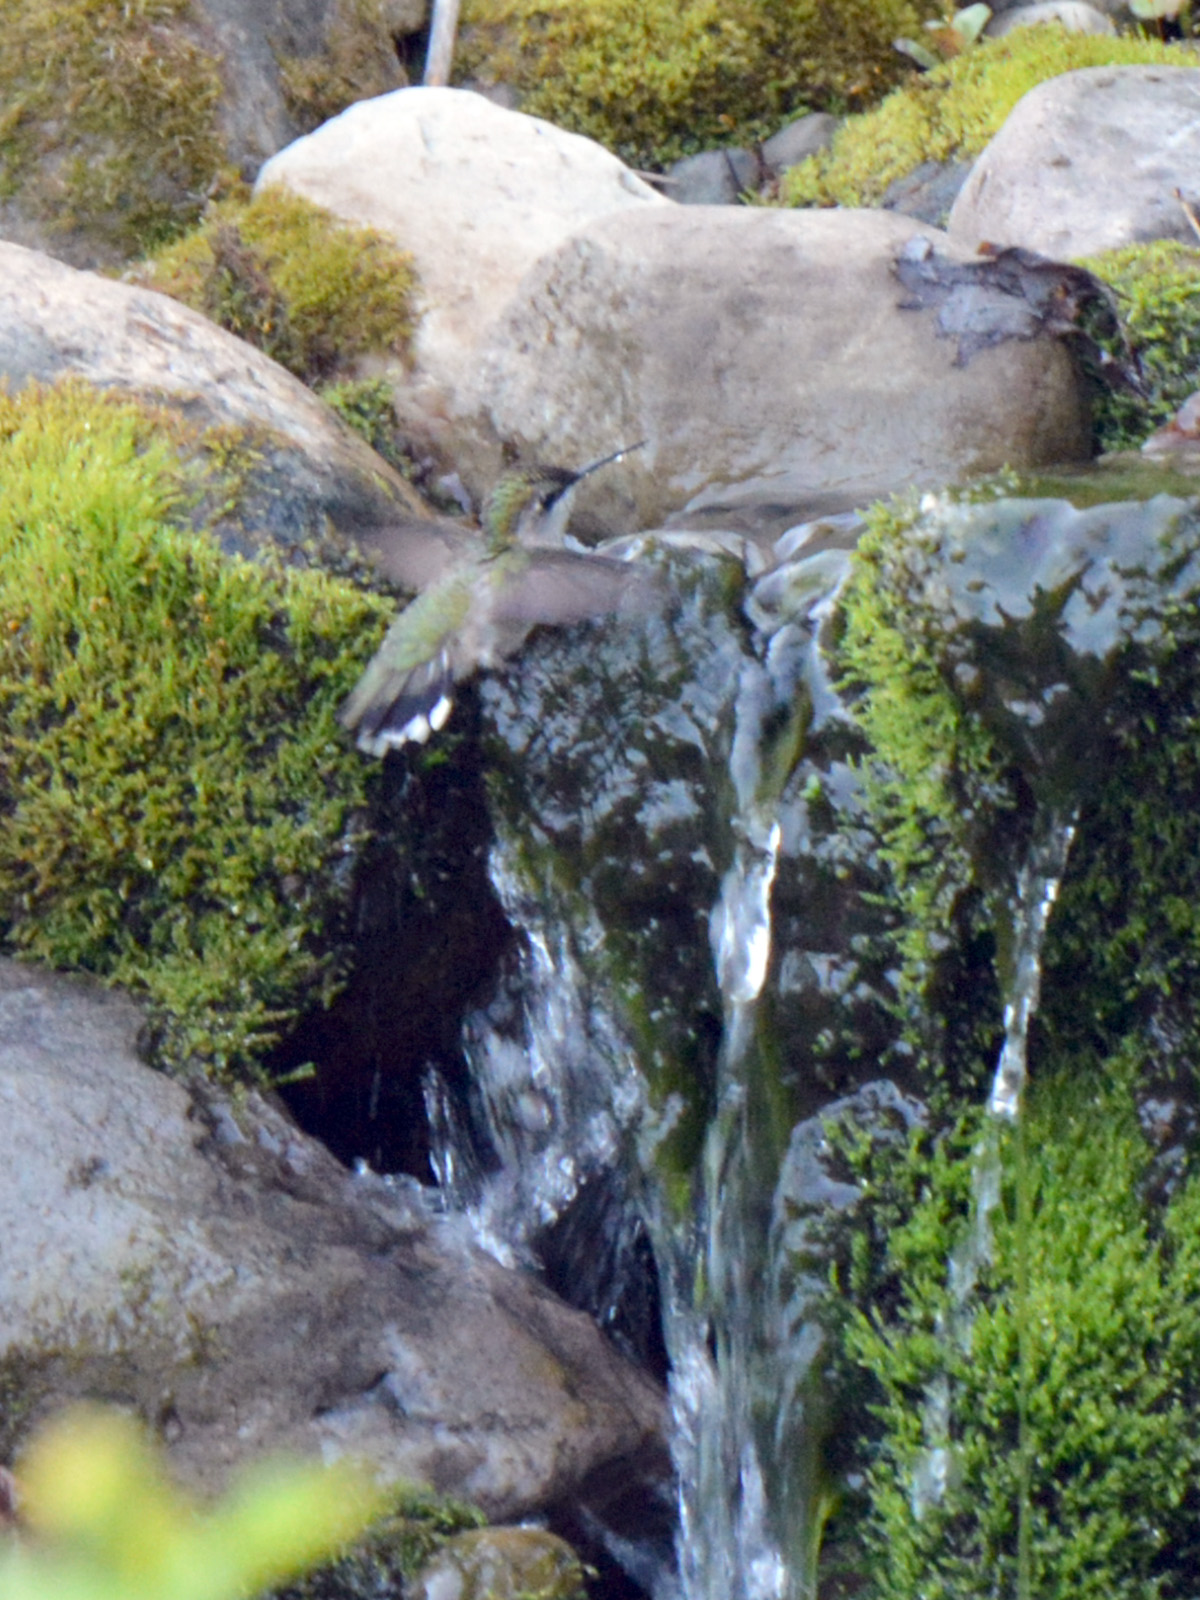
(310, 291)
(657, 79)
(394, 1550)
(1157, 287)
(502, 1564)
(949, 114)
(180, 805)
(109, 119)
(1014, 664)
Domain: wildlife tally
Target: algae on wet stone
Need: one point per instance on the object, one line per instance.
(180, 808)
(951, 113)
(311, 291)
(108, 118)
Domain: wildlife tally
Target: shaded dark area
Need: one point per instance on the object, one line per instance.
(429, 936)
(597, 1256)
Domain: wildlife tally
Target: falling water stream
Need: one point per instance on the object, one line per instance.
(734, 777)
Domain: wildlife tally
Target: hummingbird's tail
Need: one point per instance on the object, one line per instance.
(389, 707)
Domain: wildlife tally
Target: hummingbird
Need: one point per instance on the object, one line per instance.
(482, 604)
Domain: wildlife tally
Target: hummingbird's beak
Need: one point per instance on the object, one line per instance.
(617, 455)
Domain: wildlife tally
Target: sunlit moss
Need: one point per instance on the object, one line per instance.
(1109, 1318)
(654, 79)
(180, 805)
(311, 291)
(951, 113)
(108, 117)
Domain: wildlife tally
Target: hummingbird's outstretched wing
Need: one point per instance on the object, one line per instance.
(414, 552)
(407, 690)
(475, 618)
(558, 587)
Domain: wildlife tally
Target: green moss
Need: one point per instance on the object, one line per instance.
(394, 1551)
(1107, 1330)
(656, 79)
(933, 766)
(950, 113)
(358, 61)
(1157, 286)
(179, 802)
(368, 406)
(108, 118)
(311, 291)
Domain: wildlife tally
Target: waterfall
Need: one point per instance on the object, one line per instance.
(726, 1551)
(558, 1088)
(710, 980)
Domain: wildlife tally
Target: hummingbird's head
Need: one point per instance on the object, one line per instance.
(517, 508)
(530, 504)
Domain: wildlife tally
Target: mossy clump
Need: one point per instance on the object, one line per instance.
(108, 118)
(358, 61)
(951, 113)
(1067, 1380)
(1157, 286)
(934, 773)
(309, 290)
(180, 805)
(657, 79)
(368, 406)
(394, 1550)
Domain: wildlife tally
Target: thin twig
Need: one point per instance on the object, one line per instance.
(442, 29)
(1189, 212)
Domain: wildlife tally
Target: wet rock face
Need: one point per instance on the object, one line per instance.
(214, 1269)
(604, 744)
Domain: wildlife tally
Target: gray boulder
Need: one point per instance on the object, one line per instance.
(204, 1263)
(712, 178)
(1088, 161)
(805, 137)
(766, 358)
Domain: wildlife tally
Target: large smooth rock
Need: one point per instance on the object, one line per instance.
(215, 1269)
(477, 193)
(1076, 16)
(1088, 161)
(765, 357)
(304, 466)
